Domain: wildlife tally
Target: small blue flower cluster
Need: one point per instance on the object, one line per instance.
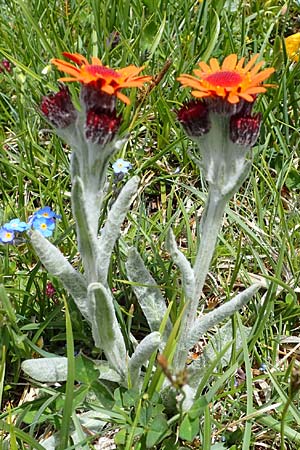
(42, 220)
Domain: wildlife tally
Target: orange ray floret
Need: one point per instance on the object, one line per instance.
(231, 82)
(102, 77)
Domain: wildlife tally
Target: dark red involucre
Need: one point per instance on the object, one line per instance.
(222, 107)
(101, 128)
(244, 130)
(94, 99)
(59, 109)
(194, 118)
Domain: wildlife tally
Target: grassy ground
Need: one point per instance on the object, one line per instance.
(260, 237)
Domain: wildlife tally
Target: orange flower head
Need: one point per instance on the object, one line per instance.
(232, 81)
(107, 80)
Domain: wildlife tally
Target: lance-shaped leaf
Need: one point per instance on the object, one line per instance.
(142, 354)
(57, 265)
(216, 353)
(188, 279)
(111, 230)
(46, 370)
(147, 292)
(216, 316)
(85, 218)
(105, 327)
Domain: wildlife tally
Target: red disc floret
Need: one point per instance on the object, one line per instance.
(224, 79)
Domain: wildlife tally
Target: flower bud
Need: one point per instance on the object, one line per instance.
(194, 118)
(244, 130)
(101, 128)
(59, 109)
(5, 66)
(50, 290)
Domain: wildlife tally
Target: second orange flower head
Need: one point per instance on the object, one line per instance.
(231, 82)
(107, 80)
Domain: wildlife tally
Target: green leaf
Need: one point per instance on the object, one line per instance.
(216, 26)
(10, 428)
(170, 444)
(130, 397)
(33, 414)
(189, 428)
(120, 437)
(103, 394)
(146, 415)
(198, 408)
(85, 370)
(233, 437)
(293, 179)
(6, 305)
(157, 430)
(157, 38)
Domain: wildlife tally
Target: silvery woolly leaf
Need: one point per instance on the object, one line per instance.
(142, 355)
(86, 219)
(105, 327)
(212, 350)
(106, 372)
(187, 273)
(111, 230)
(50, 443)
(209, 320)
(147, 292)
(58, 265)
(46, 370)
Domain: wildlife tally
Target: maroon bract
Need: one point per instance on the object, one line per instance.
(244, 130)
(101, 128)
(193, 116)
(92, 98)
(59, 109)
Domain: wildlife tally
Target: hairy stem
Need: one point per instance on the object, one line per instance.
(210, 226)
